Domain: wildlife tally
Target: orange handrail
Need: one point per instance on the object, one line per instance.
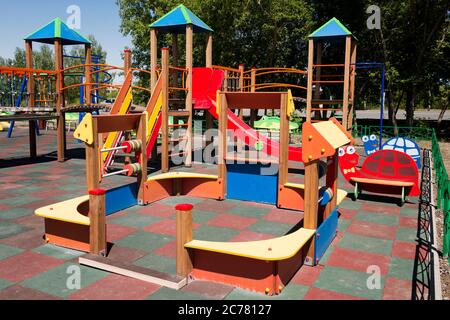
(26, 70)
(261, 86)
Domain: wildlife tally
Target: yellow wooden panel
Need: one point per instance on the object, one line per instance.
(295, 185)
(154, 116)
(112, 136)
(281, 248)
(332, 133)
(341, 194)
(66, 211)
(84, 131)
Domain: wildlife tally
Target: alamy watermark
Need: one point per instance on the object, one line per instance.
(74, 19)
(73, 281)
(374, 20)
(373, 282)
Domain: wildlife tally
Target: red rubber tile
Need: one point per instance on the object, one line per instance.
(10, 186)
(214, 206)
(5, 207)
(358, 260)
(374, 230)
(158, 210)
(48, 193)
(21, 293)
(232, 221)
(320, 294)
(168, 227)
(284, 217)
(210, 290)
(26, 240)
(347, 214)
(379, 208)
(397, 289)
(250, 236)
(306, 276)
(408, 222)
(125, 254)
(117, 231)
(26, 265)
(116, 287)
(168, 250)
(404, 250)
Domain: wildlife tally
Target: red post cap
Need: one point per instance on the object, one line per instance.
(184, 207)
(98, 192)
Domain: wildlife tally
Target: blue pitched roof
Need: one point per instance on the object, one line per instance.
(176, 20)
(333, 28)
(57, 29)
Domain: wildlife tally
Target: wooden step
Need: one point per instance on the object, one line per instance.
(179, 125)
(326, 109)
(319, 101)
(179, 113)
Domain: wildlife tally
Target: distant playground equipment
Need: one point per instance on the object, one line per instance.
(384, 171)
(263, 266)
(402, 144)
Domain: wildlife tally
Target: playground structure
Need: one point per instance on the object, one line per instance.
(81, 223)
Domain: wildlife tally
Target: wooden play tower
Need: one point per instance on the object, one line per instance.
(179, 21)
(325, 74)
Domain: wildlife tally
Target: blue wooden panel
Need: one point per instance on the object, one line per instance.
(325, 235)
(252, 182)
(121, 198)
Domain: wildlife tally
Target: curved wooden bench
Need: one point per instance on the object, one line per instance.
(66, 211)
(180, 175)
(276, 249)
(381, 182)
(160, 186)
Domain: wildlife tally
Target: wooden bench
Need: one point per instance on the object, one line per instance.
(181, 175)
(381, 182)
(67, 223)
(275, 249)
(67, 211)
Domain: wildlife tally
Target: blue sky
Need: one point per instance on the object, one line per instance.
(99, 18)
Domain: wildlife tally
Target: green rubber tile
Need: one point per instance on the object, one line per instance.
(249, 211)
(15, 213)
(58, 252)
(348, 282)
(406, 234)
(401, 268)
(135, 220)
(240, 294)
(210, 233)
(170, 294)
(30, 182)
(173, 201)
(380, 218)
(326, 255)
(19, 200)
(158, 263)
(200, 216)
(409, 212)
(25, 190)
(7, 251)
(5, 284)
(72, 187)
(55, 281)
(146, 241)
(9, 229)
(275, 228)
(366, 244)
(343, 224)
(349, 204)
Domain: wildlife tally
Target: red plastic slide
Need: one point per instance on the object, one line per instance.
(205, 83)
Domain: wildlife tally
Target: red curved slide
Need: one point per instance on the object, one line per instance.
(205, 83)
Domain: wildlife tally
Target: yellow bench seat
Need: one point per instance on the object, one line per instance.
(67, 211)
(276, 249)
(179, 175)
(383, 182)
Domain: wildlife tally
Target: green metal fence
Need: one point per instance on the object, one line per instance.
(416, 133)
(443, 192)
